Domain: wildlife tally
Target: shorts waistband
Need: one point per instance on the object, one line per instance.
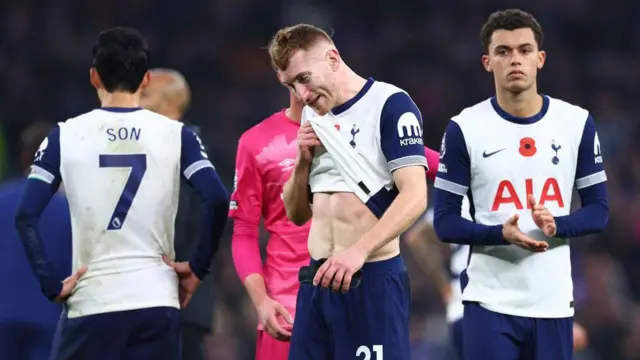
(392, 265)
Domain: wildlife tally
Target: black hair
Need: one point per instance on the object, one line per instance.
(121, 58)
(510, 20)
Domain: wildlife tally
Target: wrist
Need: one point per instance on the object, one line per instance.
(364, 246)
(301, 166)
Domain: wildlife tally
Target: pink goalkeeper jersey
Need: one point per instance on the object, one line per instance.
(265, 159)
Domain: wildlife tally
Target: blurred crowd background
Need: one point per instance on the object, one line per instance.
(430, 48)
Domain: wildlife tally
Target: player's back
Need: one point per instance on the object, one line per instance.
(121, 173)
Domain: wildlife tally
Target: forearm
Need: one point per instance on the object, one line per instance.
(215, 200)
(245, 249)
(34, 200)
(296, 195)
(401, 214)
(427, 250)
(256, 288)
(591, 218)
(452, 228)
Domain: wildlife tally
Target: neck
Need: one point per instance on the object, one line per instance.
(119, 99)
(523, 104)
(349, 87)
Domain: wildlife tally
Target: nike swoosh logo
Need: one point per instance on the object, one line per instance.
(485, 155)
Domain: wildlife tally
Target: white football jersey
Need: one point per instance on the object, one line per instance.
(497, 160)
(121, 170)
(384, 126)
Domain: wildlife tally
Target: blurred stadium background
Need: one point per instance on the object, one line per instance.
(430, 48)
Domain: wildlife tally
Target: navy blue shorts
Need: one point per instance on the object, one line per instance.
(152, 333)
(457, 338)
(490, 335)
(365, 323)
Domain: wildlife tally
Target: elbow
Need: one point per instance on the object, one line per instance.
(605, 216)
(297, 217)
(442, 230)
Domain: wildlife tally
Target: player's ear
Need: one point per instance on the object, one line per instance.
(334, 58)
(94, 78)
(542, 57)
(486, 63)
(145, 80)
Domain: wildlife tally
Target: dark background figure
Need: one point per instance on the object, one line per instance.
(27, 318)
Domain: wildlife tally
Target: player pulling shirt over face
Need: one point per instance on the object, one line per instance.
(383, 125)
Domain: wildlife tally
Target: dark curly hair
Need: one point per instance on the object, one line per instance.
(511, 19)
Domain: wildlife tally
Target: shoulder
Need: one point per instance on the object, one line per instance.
(468, 114)
(395, 101)
(566, 112)
(253, 137)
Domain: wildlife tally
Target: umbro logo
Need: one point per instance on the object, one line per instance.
(486, 155)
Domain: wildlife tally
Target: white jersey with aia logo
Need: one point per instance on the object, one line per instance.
(507, 161)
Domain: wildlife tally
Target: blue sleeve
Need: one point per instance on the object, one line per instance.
(451, 186)
(42, 183)
(593, 215)
(401, 132)
(201, 175)
(46, 161)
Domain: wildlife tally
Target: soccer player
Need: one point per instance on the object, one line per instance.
(121, 167)
(358, 304)
(517, 156)
(266, 154)
(168, 94)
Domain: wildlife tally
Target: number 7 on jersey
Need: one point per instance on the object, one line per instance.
(138, 165)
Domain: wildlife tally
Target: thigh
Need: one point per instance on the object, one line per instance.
(96, 337)
(457, 342)
(490, 335)
(372, 320)
(310, 338)
(268, 348)
(552, 339)
(155, 334)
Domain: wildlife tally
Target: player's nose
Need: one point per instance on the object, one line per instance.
(303, 93)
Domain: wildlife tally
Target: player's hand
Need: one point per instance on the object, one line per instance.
(542, 217)
(69, 284)
(513, 235)
(338, 270)
(307, 140)
(188, 282)
(269, 311)
(580, 338)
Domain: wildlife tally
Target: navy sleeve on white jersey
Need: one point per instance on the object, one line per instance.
(452, 184)
(454, 169)
(590, 166)
(194, 156)
(42, 183)
(401, 132)
(201, 175)
(593, 215)
(46, 161)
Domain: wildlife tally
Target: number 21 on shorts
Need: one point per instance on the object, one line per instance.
(364, 350)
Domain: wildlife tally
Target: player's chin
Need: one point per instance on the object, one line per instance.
(517, 85)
